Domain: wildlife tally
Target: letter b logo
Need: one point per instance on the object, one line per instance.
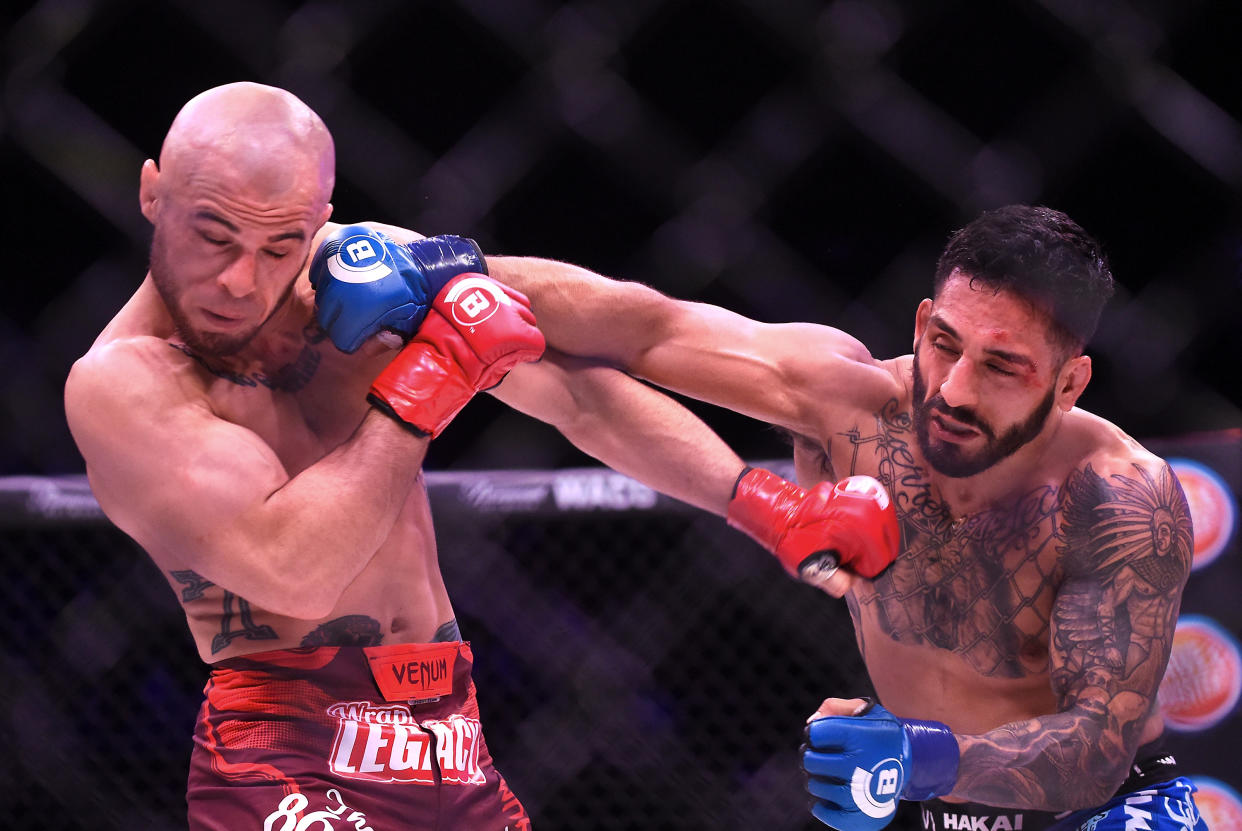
(875, 791)
(474, 299)
(360, 250)
(475, 303)
(358, 259)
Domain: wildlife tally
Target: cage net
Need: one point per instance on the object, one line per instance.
(789, 160)
(639, 664)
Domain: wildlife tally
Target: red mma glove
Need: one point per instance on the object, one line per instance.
(475, 332)
(852, 523)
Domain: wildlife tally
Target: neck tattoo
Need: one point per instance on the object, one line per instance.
(291, 377)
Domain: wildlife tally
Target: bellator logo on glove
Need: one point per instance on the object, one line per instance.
(472, 300)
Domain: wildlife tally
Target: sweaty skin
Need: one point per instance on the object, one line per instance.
(226, 435)
(1032, 606)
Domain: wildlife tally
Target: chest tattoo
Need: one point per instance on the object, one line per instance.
(979, 586)
(983, 586)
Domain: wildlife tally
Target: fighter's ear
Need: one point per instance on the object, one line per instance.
(1072, 380)
(921, 316)
(148, 190)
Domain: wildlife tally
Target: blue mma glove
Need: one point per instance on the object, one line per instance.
(365, 283)
(859, 766)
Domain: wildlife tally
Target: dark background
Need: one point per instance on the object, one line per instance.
(789, 160)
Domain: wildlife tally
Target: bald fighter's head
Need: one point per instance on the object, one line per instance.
(242, 185)
(259, 134)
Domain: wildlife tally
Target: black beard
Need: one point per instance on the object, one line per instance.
(949, 459)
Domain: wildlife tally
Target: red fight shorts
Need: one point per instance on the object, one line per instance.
(346, 739)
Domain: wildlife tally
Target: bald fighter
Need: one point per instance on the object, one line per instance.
(1018, 641)
(244, 419)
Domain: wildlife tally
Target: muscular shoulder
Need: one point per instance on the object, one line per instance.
(839, 373)
(121, 383)
(129, 367)
(1096, 443)
(1122, 504)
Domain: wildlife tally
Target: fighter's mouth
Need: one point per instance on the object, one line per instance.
(222, 319)
(951, 428)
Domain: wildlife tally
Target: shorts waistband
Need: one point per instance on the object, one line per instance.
(408, 673)
(938, 815)
(1151, 767)
(314, 657)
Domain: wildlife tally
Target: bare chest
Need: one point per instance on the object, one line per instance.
(302, 411)
(981, 586)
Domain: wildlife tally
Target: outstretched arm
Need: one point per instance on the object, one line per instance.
(648, 436)
(788, 374)
(628, 426)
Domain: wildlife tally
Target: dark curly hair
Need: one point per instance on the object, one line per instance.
(1042, 256)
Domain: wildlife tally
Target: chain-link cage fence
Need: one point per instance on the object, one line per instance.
(788, 159)
(639, 664)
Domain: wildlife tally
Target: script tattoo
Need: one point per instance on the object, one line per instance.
(976, 587)
(195, 588)
(1126, 544)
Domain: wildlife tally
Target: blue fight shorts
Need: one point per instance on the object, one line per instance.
(1153, 798)
(1165, 806)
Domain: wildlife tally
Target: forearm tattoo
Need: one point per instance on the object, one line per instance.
(1125, 546)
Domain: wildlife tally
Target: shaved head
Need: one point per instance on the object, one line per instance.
(243, 183)
(263, 137)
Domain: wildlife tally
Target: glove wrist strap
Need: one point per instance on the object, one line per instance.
(421, 388)
(444, 257)
(762, 506)
(386, 408)
(934, 757)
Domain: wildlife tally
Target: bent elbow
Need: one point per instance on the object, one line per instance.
(309, 611)
(308, 604)
(298, 597)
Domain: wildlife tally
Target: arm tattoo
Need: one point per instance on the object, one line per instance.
(1126, 547)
